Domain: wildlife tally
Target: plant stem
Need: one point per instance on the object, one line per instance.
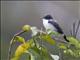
(34, 40)
(71, 32)
(77, 28)
(41, 43)
(11, 44)
(74, 29)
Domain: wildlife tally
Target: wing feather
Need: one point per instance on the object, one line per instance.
(56, 25)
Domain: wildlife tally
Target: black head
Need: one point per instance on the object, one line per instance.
(48, 17)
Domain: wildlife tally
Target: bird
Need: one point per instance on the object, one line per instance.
(52, 24)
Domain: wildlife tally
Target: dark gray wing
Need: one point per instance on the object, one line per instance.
(59, 30)
(56, 25)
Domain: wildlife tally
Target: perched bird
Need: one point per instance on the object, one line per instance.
(50, 23)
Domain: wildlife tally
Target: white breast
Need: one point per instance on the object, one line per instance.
(48, 25)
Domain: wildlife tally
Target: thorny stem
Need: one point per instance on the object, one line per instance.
(11, 44)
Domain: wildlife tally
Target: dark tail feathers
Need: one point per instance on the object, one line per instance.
(66, 38)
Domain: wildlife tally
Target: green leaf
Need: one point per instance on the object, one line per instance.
(23, 56)
(45, 54)
(48, 39)
(75, 53)
(71, 52)
(21, 49)
(74, 41)
(62, 46)
(34, 54)
(20, 39)
(53, 33)
(39, 54)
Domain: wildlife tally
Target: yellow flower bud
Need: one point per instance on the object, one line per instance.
(26, 28)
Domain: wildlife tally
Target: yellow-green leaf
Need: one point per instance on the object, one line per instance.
(62, 46)
(22, 48)
(20, 39)
(74, 41)
(71, 52)
(48, 39)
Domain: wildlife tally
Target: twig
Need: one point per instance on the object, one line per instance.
(71, 32)
(60, 55)
(73, 29)
(11, 44)
(60, 40)
(41, 42)
(42, 32)
(77, 28)
(19, 33)
(34, 40)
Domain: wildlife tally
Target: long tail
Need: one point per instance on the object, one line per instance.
(66, 38)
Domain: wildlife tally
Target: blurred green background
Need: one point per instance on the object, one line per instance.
(15, 14)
